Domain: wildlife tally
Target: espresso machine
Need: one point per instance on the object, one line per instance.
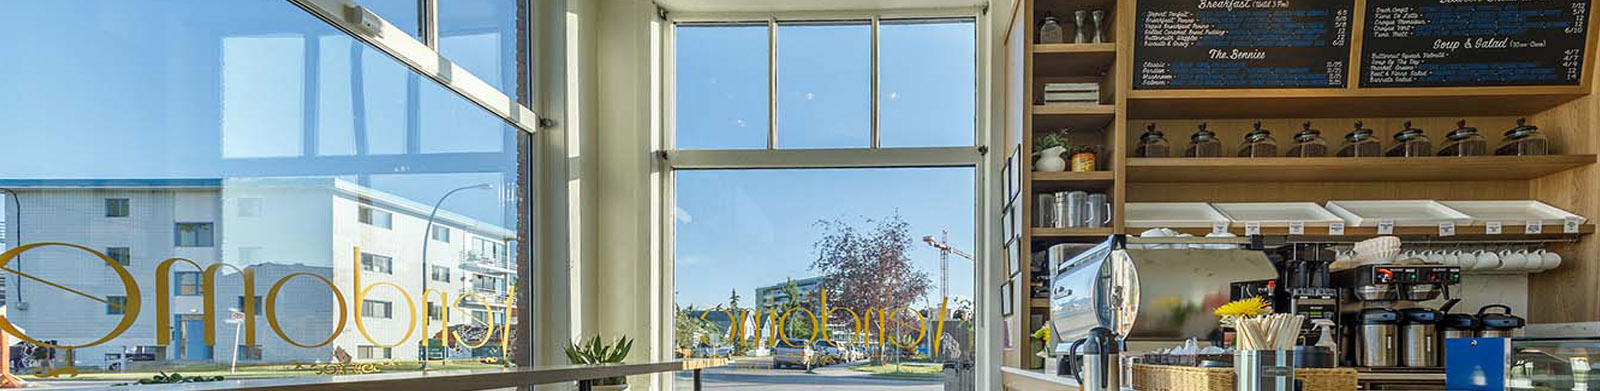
(1388, 330)
(1107, 296)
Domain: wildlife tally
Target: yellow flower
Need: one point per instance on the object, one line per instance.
(1245, 307)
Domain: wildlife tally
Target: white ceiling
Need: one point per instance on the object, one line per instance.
(808, 5)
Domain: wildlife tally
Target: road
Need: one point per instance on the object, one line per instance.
(831, 378)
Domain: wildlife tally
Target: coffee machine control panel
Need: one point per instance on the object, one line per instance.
(1407, 275)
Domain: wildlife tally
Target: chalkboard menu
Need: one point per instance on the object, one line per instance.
(1435, 43)
(1209, 44)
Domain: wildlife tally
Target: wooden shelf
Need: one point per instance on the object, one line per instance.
(1073, 59)
(1068, 180)
(1076, 117)
(1509, 232)
(1039, 303)
(1070, 233)
(1347, 102)
(1334, 169)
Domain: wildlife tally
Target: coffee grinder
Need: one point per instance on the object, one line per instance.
(1303, 287)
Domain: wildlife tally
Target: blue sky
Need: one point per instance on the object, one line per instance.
(746, 229)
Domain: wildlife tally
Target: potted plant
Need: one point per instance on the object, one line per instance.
(595, 352)
(1049, 147)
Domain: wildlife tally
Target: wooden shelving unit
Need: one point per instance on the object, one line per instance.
(1569, 115)
(1335, 169)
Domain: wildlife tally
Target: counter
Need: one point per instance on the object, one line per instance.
(1018, 379)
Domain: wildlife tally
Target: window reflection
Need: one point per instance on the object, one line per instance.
(175, 163)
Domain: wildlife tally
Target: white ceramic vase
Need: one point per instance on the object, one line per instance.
(1050, 160)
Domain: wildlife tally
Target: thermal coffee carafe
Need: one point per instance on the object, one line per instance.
(1098, 367)
(1458, 325)
(1419, 336)
(1501, 325)
(1377, 344)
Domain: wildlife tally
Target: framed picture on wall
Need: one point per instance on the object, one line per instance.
(1018, 171)
(1013, 258)
(1005, 298)
(1006, 229)
(1007, 185)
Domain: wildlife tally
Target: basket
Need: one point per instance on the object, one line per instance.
(1174, 378)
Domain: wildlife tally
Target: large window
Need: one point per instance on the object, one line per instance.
(241, 139)
(774, 256)
(824, 76)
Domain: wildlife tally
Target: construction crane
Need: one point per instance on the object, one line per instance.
(943, 244)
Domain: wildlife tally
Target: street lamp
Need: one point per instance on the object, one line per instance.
(21, 306)
(427, 272)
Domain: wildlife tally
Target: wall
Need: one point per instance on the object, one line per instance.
(1577, 282)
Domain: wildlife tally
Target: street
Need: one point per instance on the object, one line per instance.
(836, 377)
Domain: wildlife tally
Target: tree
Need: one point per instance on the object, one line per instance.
(867, 267)
(733, 300)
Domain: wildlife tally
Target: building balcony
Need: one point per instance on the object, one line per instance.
(474, 261)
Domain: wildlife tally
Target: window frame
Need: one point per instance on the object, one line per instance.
(434, 233)
(122, 254)
(369, 263)
(387, 306)
(118, 207)
(732, 157)
(187, 283)
(367, 214)
(116, 305)
(985, 165)
(210, 237)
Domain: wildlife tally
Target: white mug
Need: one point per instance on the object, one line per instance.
(1513, 260)
(1487, 260)
(1465, 259)
(1551, 260)
(1437, 257)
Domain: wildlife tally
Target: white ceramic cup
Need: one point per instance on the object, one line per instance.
(1437, 257)
(1513, 260)
(1487, 260)
(1551, 261)
(1465, 259)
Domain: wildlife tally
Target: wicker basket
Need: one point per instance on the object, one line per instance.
(1176, 378)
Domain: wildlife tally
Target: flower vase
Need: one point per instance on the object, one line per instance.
(1050, 160)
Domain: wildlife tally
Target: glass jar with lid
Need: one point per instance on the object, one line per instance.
(1410, 142)
(1258, 143)
(1152, 144)
(1464, 141)
(1523, 140)
(1360, 143)
(1309, 143)
(1050, 31)
(1204, 143)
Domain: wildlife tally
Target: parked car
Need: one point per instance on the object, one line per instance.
(833, 352)
(793, 353)
(706, 350)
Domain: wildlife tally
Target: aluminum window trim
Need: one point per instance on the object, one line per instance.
(426, 61)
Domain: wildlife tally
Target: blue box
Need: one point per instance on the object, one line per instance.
(1476, 364)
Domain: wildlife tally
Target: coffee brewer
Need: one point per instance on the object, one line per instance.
(1303, 287)
(1394, 331)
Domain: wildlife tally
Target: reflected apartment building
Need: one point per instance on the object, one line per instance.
(278, 228)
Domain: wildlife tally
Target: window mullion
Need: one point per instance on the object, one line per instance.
(875, 130)
(772, 83)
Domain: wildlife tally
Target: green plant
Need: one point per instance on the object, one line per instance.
(595, 352)
(164, 378)
(1062, 138)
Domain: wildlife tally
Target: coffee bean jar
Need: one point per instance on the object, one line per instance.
(1360, 143)
(1152, 144)
(1309, 143)
(1204, 143)
(1523, 140)
(1258, 143)
(1410, 142)
(1464, 141)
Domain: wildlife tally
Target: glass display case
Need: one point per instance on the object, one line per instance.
(1554, 364)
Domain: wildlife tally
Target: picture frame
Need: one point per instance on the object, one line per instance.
(1007, 185)
(1006, 229)
(1013, 258)
(1006, 296)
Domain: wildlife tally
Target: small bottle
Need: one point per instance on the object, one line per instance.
(1524, 140)
(1360, 143)
(1204, 143)
(1464, 141)
(1410, 142)
(1309, 143)
(1258, 143)
(1050, 31)
(1080, 21)
(1152, 144)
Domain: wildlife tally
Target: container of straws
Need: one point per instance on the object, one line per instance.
(1264, 347)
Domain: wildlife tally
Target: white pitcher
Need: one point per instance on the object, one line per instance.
(1050, 160)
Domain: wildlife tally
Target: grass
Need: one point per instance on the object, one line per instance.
(903, 370)
(260, 371)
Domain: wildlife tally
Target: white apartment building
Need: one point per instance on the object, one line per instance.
(276, 227)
